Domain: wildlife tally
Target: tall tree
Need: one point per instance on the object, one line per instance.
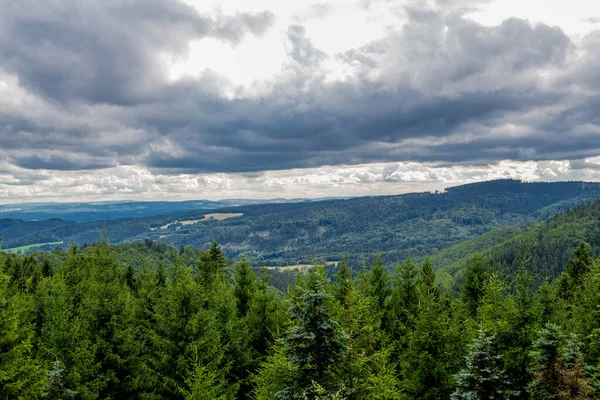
(484, 377)
(474, 277)
(20, 375)
(436, 345)
(244, 285)
(316, 341)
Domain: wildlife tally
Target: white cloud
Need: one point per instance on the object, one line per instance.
(128, 183)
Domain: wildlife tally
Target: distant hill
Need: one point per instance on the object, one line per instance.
(85, 212)
(415, 224)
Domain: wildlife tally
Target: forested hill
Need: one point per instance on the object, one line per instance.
(544, 247)
(415, 224)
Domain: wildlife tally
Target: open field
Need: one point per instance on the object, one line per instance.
(30, 246)
(300, 267)
(220, 216)
(207, 217)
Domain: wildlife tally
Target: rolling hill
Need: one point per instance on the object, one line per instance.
(398, 226)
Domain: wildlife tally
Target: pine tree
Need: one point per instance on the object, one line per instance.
(185, 334)
(427, 287)
(580, 264)
(265, 319)
(484, 377)
(575, 379)
(344, 281)
(47, 269)
(20, 375)
(55, 386)
(557, 367)
(471, 291)
(130, 279)
(435, 349)
(212, 266)
(244, 285)
(316, 342)
(366, 368)
(378, 284)
(202, 383)
(402, 307)
(544, 363)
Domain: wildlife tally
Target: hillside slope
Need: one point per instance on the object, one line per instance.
(546, 246)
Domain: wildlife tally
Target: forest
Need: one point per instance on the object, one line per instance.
(84, 324)
(394, 227)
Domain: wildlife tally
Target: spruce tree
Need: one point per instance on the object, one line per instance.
(244, 285)
(20, 375)
(484, 377)
(435, 349)
(471, 291)
(580, 264)
(316, 342)
(55, 386)
(378, 285)
(402, 307)
(545, 355)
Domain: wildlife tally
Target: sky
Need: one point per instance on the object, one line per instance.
(176, 100)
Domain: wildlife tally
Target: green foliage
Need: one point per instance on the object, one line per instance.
(436, 345)
(484, 377)
(474, 277)
(396, 227)
(20, 375)
(55, 388)
(557, 367)
(146, 321)
(244, 286)
(316, 341)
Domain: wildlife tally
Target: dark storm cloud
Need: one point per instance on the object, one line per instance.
(441, 88)
(105, 50)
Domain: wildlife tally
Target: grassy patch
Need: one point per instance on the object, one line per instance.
(30, 246)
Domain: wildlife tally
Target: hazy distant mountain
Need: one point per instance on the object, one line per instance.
(84, 212)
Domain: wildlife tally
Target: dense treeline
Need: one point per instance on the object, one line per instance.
(547, 245)
(85, 326)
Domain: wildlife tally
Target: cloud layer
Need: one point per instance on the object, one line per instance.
(85, 86)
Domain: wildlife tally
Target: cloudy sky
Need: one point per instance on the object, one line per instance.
(170, 99)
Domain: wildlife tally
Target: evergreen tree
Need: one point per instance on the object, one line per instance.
(244, 285)
(265, 319)
(402, 307)
(484, 377)
(516, 336)
(544, 363)
(366, 368)
(185, 334)
(20, 375)
(202, 383)
(378, 284)
(579, 265)
(47, 269)
(344, 282)
(428, 291)
(316, 341)
(471, 291)
(130, 279)
(436, 345)
(212, 266)
(55, 387)
(557, 367)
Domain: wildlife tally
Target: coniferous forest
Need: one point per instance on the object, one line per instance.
(90, 327)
